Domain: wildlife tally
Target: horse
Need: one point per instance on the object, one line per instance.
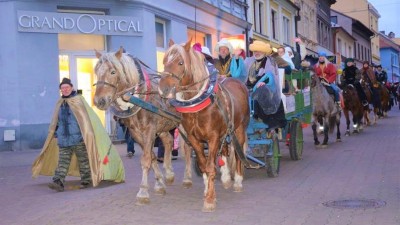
(385, 100)
(352, 103)
(221, 123)
(118, 73)
(324, 111)
(380, 105)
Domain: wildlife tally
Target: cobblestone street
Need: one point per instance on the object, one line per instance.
(364, 166)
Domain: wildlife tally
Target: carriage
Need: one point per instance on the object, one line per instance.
(264, 145)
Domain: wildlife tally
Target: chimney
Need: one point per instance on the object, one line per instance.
(391, 35)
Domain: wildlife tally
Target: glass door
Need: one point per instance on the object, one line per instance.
(79, 67)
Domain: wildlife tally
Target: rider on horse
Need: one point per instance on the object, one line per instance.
(352, 75)
(381, 75)
(326, 71)
(369, 77)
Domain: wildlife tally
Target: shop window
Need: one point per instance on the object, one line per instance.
(161, 42)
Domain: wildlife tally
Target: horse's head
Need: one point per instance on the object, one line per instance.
(115, 72)
(182, 67)
(314, 79)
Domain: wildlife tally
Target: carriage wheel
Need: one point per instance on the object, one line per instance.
(296, 140)
(273, 162)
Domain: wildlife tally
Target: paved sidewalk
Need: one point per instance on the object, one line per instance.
(364, 166)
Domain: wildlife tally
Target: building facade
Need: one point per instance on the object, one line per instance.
(361, 34)
(389, 52)
(307, 24)
(367, 14)
(49, 40)
(274, 21)
(324, 31)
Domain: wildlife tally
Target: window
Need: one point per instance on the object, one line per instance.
(334, 19)
(161, 43)
(339, 45)
(350, 52)
(286, 30)
(274, 21)
(259, 16)
(160, 34)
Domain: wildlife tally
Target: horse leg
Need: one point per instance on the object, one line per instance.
(347, 116)
(225, 172)
(238, 177)
(326, 131)
(168, 140)
(187, 177)
(210, 201)
(338, 138)
(238, 186)
(143, 196)
(314, 129)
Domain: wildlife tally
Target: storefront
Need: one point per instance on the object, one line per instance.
(49, 40)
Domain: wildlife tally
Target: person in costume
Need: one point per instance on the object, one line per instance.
(263, 83)
(368, 75)
(327, 72)
(77, 145)
(381, 75)
(230, 62)
(352, 75)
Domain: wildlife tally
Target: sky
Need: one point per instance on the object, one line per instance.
(390, 12)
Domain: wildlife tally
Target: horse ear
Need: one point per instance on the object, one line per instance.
(119, 53)
(170, 43)
(98, 54)
(187, 45)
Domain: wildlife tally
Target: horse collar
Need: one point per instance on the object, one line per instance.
(201, 102)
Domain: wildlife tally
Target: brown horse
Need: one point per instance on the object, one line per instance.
(380, 106)
(116, 74)
(227, 115)
(352, 103)
(324, 112)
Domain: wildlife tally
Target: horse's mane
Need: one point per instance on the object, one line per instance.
(193, 61)
(125, 66)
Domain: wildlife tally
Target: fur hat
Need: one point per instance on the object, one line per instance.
(260, 46)
(224, 43)
(66, 81)
(349, 60)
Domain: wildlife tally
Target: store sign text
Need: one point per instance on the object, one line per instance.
(42, 22)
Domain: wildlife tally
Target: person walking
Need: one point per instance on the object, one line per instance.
(130, 142)
(77, 145)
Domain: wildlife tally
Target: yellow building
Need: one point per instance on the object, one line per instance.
(273, 21)
(307, 25)
(366, 13)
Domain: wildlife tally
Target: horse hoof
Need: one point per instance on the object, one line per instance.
(338, 140)
(347, 134)
(209, 207)
(237, 188)
(142, 200)
(227, 184)
(160, 191)
(187, 184)
(316, 143)
(169, 180)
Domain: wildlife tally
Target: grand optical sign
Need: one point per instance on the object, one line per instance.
(43, 22)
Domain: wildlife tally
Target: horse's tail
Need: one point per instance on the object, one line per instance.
(332, 123)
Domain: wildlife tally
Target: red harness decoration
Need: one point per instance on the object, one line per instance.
(197, 107)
